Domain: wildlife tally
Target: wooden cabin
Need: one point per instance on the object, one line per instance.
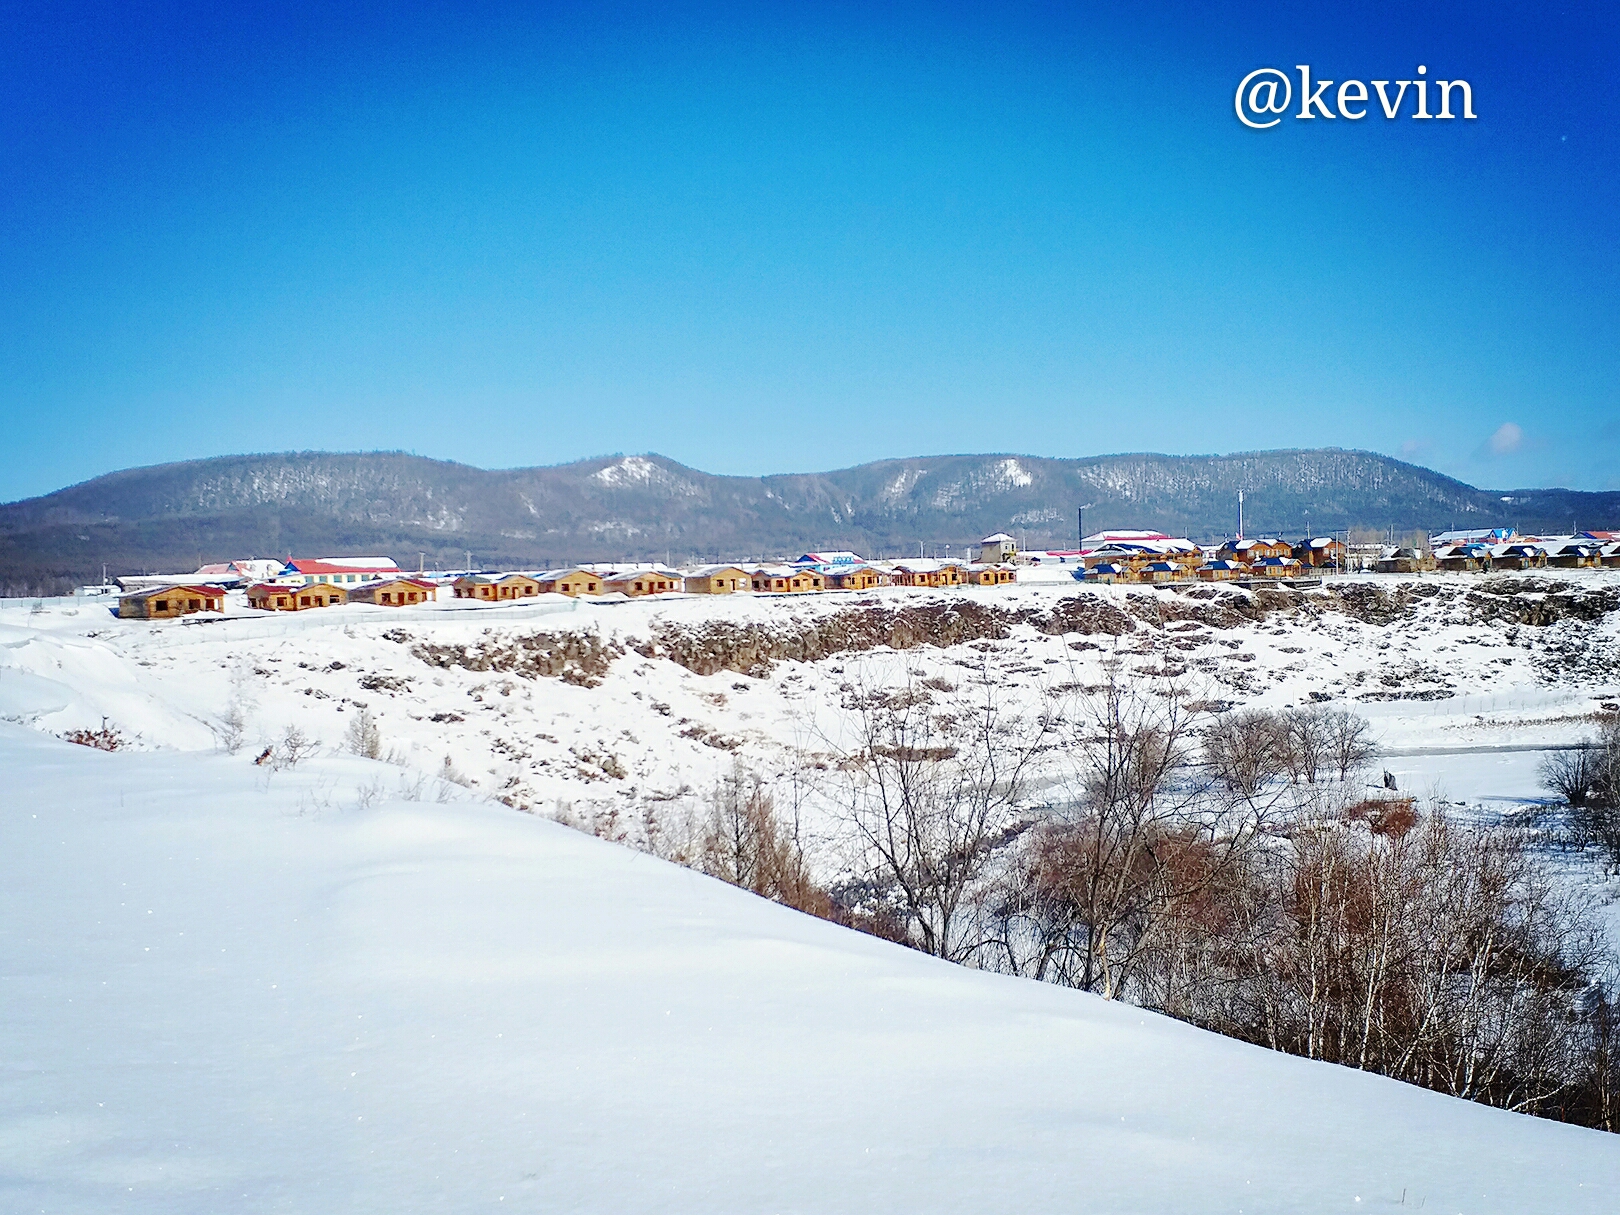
(167, 602)
(1162, 571)
(991, 575)
(1319, 552)
(857, 578)
(394, 592)
(1110, 572)
(572, 582)
(1519, 557)
(1611, 556)
(1577, 556)
(647, 581)
(929, 573)
(281, 597)
(1463, 558)
(474, 586)
(1276, 567)
(1220, 571)
(1401, 561)
(786, 580)
(717, 580)
(1257, 549)
(518, 586)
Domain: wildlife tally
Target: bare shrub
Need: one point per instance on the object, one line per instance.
(747, 843)
(104, 739)
(293, 747)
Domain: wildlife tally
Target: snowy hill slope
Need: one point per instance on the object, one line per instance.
(227, 989)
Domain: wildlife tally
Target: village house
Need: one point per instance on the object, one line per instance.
(717, 580)
(856, 578)
(284, 597)
(991, 575)
(518, 586)
(998, 549)
(927, 572)
(1611, 555)
(785, 580)
(475, 586)
(394, 592)
(1256, 549)
(347, 571)
(167, 602)
(1576, 555)
(1402, 561)
(1463, 558)
(1276, 567)
(649, 580)
(1109, 572)
(1162, 571)
(574, 581)
(1220, 570)
(1319, 552)
(1518, 557)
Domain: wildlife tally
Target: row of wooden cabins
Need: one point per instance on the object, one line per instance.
(1147, 557)
(1601, 551)
(794, 579)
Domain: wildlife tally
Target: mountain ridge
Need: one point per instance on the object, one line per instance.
(634, 507)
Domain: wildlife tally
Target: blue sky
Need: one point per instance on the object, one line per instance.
(764, 239)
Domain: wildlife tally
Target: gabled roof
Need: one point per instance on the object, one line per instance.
(357, 565)
(152, 592)
(997, 538)
(840, 557)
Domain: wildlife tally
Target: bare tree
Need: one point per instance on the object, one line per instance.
(1350, 745)
(928, 787)
(1246, 750)
(1571, 774)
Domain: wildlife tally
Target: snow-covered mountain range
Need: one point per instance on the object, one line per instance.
(644, 506)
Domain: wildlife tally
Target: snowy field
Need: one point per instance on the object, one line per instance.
(227, 989)
(357, 985)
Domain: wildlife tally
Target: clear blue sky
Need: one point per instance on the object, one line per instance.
(764, 239)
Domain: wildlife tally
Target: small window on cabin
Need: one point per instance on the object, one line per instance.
(638, 586)
(593, 586)
(162, 605)
(387, 598)
(303, 601)
(281, 601)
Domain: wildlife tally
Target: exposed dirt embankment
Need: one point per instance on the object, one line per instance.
(576, 658)
(1539, 602)
(751, 648)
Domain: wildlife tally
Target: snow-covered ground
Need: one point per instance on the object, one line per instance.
(231, 989)
(600, 710)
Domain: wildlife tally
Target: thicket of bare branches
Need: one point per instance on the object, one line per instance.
(1587, 780)
(1210, 868)
(929, 781)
